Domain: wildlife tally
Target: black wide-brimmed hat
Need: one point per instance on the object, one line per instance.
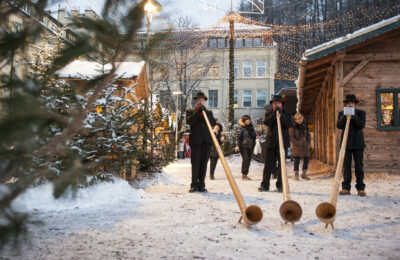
(351, 98)
(278, 98)
(200, 95)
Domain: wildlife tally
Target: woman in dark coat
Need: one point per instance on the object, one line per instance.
(214, 154)
(300, 140)
(246, 141)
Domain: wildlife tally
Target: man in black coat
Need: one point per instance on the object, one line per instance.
(272, 141)
(200, 141)
(354, 147)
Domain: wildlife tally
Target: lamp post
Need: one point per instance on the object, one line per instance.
(151, 7)
(176, 93)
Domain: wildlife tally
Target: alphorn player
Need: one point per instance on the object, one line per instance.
(199, 141)
(272, 141)
(354, 148)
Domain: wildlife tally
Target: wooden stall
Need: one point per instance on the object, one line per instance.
(367, 64)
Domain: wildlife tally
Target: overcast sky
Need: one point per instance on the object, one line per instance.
(205, 12)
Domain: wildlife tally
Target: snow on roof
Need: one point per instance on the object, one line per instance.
(88, 69)
(351, 36)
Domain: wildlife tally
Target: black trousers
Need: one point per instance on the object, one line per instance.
(359, 172)
(246, 154)
(199, 158)
(297, 163)
(213, 164)
(270, 166)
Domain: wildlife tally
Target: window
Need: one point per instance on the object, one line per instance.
(261, 97)
(248, 42)
(235, 69)
(235, 98)
(213, 71)
(388, 114)
(247, 98)
(238, 43)
(196, 73)
(247, 66)
(221, 43)
(261, 69)
(257, 42)
(213, 43)
(213, 98)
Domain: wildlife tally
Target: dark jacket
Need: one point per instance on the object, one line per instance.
(355, 140)
(199, 132)
(246, 136)
(300, 140)
(214, 152)
(272, 139)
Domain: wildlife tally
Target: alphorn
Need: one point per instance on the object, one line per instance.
(326, 211)
(250, 214)
(290, 210)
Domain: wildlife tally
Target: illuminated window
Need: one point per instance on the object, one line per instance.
(388, 114)
(247, 96)
(247, 69)
(235, 98)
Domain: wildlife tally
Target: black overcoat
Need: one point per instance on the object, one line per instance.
(199, 133)
(355, 140)
(272, 139)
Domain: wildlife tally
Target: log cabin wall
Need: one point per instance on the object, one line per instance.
(382, 152)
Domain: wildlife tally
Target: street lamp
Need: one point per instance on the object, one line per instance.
(151, 7)
(176, 93)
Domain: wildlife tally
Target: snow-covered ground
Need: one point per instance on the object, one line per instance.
(159, 219)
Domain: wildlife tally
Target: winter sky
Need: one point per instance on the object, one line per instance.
(204, 12)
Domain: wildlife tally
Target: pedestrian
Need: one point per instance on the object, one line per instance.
(181, 148)
(300, 140)
(199, 141)
(214, 154)
(246, 140)
(272, 142)
(354, 147)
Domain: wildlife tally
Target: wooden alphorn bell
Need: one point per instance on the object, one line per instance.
(326, 211)
(250, 214)
(290, 210)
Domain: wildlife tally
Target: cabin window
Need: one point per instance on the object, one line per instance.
(388, 114)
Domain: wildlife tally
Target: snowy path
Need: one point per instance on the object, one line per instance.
(170, 223)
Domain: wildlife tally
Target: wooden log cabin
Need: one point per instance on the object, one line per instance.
(367, 64)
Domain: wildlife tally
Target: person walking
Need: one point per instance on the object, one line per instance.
(199, 141)
(300, 140)
(272, 141)
(181, 148)
(214, 154)
(246, 141)
(354, 147)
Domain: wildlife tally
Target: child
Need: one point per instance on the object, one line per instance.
(214, 154)
(300, 140)
(246, 141)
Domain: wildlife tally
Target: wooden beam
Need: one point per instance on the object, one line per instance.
(354, 72)
(391, 56)
(315, 63)
(315, 78)
(322, 70)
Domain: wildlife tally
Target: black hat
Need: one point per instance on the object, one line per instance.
(245, 117)
(220, 127)
(200, 95)
(277, 98)
(351, 98)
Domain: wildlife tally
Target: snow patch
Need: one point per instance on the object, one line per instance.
(105, 194)
(158, 178)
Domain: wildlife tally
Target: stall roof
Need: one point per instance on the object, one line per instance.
(353, 38)
(89, 70)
